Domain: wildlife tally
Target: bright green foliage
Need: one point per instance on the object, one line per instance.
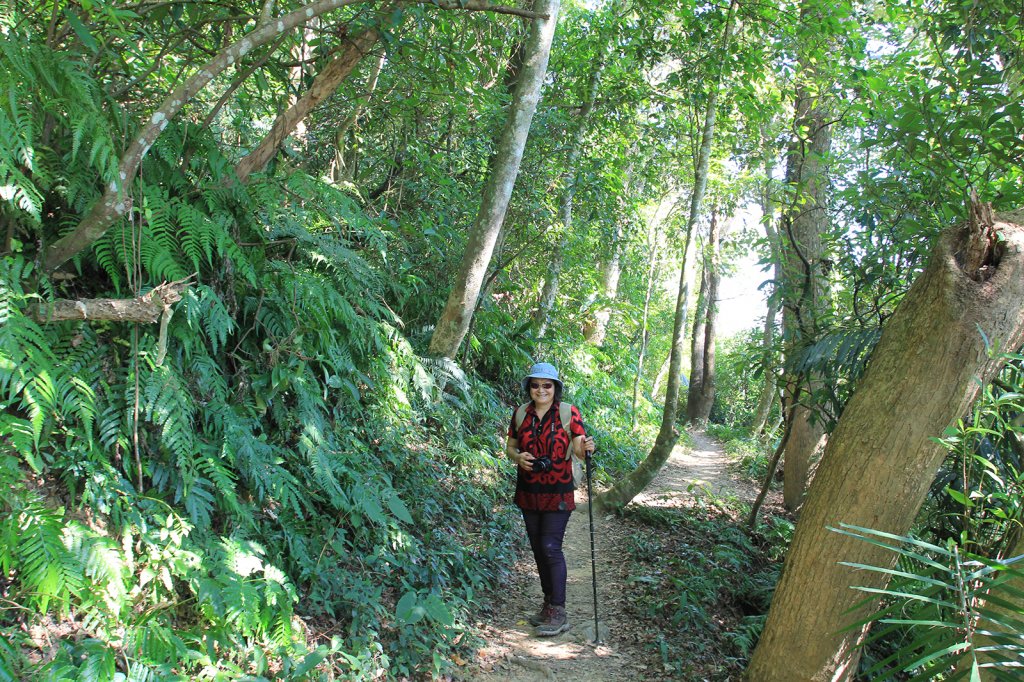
(939, 600)
(282, 487)
(978, 496)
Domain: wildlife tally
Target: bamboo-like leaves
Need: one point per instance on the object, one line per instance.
(944, 600)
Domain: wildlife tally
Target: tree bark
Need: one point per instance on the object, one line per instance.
(324, 85)
(933, 355)
(628, 488)
(803, 222)
(708, 385)
(697, 338)
(701, 394)
(145, 309)
(451, 327)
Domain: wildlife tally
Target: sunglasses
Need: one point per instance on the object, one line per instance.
(547, 385)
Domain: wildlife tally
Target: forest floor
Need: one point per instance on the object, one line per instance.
(513, 653)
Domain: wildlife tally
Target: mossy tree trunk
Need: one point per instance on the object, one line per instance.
(934, 353)
(454, 321)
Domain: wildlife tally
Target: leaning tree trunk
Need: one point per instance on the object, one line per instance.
(454, 322)
(323, 86)
(113, 204)
(629, 487)
(934, 353)
(709, 384)
(695, 387)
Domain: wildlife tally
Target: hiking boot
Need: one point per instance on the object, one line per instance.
(556, 623)
(541, 616)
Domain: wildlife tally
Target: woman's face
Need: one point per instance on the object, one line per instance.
(542, 391)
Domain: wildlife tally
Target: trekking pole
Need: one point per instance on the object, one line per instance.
(593, 560)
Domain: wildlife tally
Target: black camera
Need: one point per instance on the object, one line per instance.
(541, 465)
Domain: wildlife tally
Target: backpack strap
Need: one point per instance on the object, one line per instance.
(520, 416)
(565, 414)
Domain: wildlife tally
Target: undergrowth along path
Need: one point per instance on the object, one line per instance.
(514, 654)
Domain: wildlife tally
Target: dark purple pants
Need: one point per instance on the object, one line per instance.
(546, 530)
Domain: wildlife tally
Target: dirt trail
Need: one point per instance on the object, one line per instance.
(514, 654)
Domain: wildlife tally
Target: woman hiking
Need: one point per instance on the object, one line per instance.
(539, 440)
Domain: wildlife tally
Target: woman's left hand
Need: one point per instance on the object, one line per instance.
(588, 445)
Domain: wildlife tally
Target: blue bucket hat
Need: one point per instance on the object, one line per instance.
(541, 370)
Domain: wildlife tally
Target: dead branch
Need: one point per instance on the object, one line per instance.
(146, 309)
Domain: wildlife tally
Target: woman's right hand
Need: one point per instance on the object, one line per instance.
(525, 460)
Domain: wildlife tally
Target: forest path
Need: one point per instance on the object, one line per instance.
(515, 654)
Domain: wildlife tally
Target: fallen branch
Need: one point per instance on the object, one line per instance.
(146, 309)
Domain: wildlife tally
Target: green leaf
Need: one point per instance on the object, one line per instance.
(408, 610)
(399, 509)
(81, 31)
(437, 611)
(311, 661)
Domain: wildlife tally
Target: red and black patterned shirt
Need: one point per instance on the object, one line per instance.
(550, 490)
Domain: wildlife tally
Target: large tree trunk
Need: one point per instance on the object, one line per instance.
(709, 385)
(451, 327)
(806, 445)
(803, 222)
(697, 338)
(926, 371)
